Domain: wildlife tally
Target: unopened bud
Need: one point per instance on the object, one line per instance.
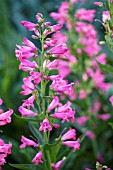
(98, 4)
(101, 42)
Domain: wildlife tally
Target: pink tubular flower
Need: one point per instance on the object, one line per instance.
(29, 44)
(29, 25)
(26, 112)
(58, 164)
(28, 86)
(5, 117)
(44, 126)
(38, 158)
(83, 14)
(90, 135)
(105, 16)
(29, 102)
(65, 113)
(111, 100)
(5, 149)
(97, 3)
(36, 76)
(27, 142)
(70, 134)
(26, 65)
(58, 50)
(101, 58)
(82, 120)
(1, 101)
(73, 144)
(103, 116)
(53, 104)
(82, 94)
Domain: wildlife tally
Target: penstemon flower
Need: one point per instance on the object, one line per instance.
(43, 90)
(5, 149)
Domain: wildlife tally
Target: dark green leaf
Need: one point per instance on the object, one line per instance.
(34, 129)
(105, 67)
(24, 166)
(111, 124)
(32, 119)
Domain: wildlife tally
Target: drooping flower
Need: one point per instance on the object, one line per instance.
(26, 112)
(27, 142)
(74, 144)
(38, 158)
(44, 126)
(5, 149)
(5, 117)
(58, 164)
(53, 104)
(70, 134)
(65, 113)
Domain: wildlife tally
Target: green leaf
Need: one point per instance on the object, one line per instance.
(53, 148)
(24, 166)
(111, 124)
(34, 129)
(32, 119)
(105, 67)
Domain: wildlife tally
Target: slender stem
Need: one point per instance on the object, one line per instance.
(43, 86)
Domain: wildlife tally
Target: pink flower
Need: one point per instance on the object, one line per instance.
(111, 100)
(103, 116)
(73, 144)
(44, 126)
(82, 94)
(90, 135)
(82, 120)
(83, 14)
(105, 16)
(5, 117)
(53, 104)
(29, 102)
(26, 65)
(70, 134)
(38, 158)
(36, 76)
(1, 101)
(27, 142)
(101, 58)
(58, 50)
(58, 164)
(97, 3)
(39, 17)
(65, 113)
(5, 149)
(28, 86)
(29, 44)
(26, 112)
(29, 25)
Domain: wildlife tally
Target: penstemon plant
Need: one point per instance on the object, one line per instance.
(43, 108)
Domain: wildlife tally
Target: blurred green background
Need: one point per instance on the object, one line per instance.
(12, 12)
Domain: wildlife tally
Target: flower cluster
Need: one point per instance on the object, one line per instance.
(42, 104)
(5, 149)
(87, 52)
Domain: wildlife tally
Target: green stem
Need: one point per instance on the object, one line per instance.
(43, 86)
